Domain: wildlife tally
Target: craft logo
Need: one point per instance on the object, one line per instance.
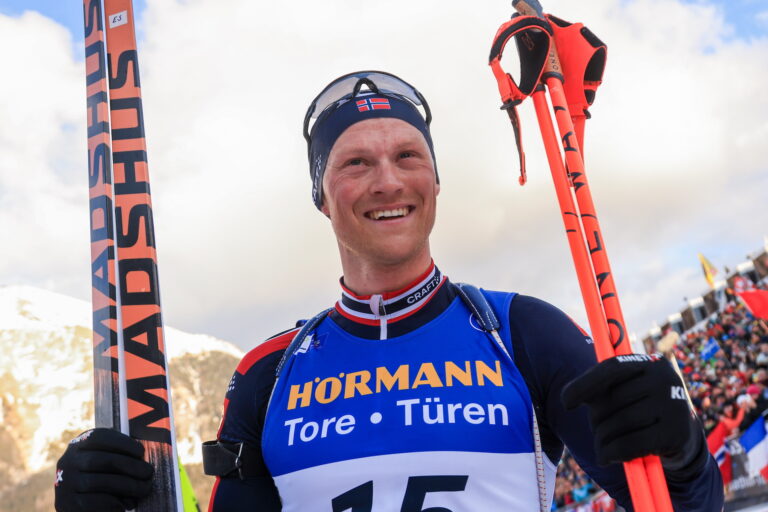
(367, 104)
(425, 290)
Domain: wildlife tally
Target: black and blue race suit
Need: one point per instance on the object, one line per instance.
(401, 402)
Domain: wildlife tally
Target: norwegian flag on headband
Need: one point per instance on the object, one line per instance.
(367, 104)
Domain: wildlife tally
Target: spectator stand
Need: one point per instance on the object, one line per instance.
(722, 354)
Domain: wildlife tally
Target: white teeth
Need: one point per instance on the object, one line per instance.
(397, 212)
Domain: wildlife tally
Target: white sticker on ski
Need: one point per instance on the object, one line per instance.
(115, 20)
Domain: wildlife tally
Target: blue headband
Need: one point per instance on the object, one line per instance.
(334, 120)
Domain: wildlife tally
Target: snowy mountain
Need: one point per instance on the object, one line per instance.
(46, 390)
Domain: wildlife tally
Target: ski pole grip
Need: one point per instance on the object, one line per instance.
(533, 8)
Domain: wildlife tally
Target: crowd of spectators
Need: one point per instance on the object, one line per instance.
(730, 386)
(727, 382)
(572, 485)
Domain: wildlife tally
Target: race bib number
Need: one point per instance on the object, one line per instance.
(415, 482)
(360, 499)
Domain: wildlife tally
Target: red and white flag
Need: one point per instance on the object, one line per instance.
(719, 450)
(756, 301)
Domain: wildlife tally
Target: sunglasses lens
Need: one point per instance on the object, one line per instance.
(344, 87)
(333, 93)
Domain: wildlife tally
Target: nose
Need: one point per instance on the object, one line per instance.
(387, 179)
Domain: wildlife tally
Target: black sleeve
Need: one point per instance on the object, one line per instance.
(252, 493)
(550, 350)
(243, 421)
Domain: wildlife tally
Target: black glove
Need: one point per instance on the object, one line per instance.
(102, 470)
(638, 406)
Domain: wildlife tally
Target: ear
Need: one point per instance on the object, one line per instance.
(325, 210)
(437, 189)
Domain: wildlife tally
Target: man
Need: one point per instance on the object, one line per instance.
(406, 395)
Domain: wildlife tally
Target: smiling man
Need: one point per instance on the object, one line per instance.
(413, 392)
(380, 191)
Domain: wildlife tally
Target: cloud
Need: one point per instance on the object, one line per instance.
(42, 154)
(762, 18)
(673, 153)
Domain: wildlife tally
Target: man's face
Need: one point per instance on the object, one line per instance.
(380, 191)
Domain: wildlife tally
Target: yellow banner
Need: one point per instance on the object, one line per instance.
(709, 270)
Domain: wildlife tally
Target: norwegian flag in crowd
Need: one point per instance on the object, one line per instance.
(740, 284)
(755, 443)
(367, 104)
(755, 300)
(719, 450)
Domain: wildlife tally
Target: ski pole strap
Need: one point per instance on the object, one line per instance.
(532, 38)
(229, 460)
(582, 59)
(514, 118)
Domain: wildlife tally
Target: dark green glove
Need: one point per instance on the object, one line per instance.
(638, 406)
(102, 470)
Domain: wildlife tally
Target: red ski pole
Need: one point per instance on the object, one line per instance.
(601, 268)
(645, 477)
(640, 485)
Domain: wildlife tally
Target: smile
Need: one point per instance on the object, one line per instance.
(393, 213)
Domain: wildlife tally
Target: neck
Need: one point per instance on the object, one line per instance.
(368, 278)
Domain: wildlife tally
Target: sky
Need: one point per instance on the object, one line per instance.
(674, 150)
